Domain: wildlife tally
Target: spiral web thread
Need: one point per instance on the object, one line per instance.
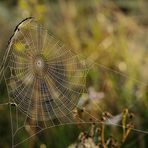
(45, 81)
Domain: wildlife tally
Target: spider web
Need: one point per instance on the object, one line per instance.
(45, 81)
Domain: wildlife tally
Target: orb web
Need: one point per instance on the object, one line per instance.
(46, 78)
(45, 81)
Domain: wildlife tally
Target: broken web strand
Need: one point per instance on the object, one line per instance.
(69, 123)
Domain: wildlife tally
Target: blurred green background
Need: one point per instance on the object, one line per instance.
(111, 33)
